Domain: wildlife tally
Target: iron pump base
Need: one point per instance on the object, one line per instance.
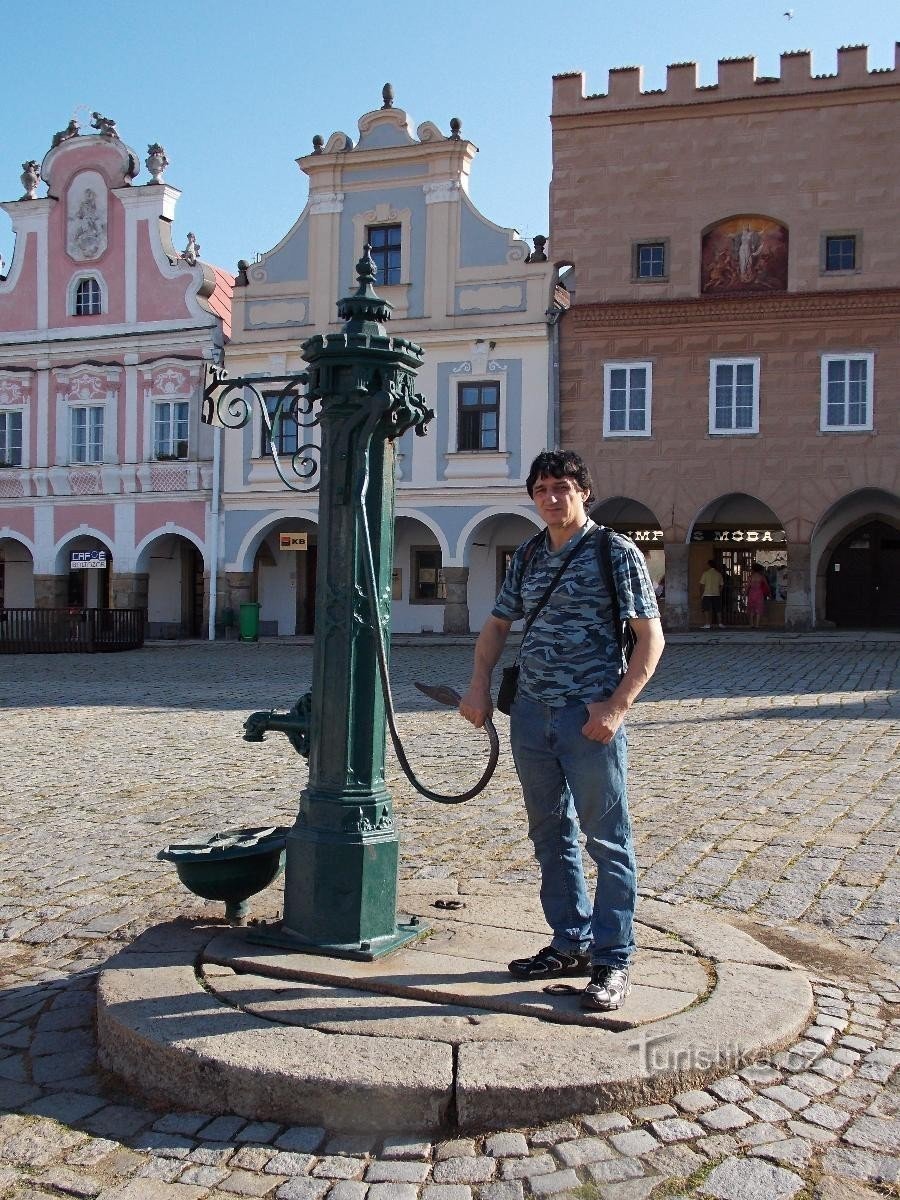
(342, 859)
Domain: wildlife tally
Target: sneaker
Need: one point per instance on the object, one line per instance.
(608, 988)
(550, 963)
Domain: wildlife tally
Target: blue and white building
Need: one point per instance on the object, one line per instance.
(482, 304)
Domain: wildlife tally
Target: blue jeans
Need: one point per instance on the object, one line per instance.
(569, 781)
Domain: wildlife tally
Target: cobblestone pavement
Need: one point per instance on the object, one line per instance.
(764, 781)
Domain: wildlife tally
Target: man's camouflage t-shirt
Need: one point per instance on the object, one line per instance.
(571, 652)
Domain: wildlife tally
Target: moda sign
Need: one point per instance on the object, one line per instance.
(740, 536)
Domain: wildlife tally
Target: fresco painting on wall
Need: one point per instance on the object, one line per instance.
(745, 254)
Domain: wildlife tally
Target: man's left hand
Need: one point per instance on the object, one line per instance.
(604, 719)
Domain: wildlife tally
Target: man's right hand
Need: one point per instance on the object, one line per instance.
(476, 705)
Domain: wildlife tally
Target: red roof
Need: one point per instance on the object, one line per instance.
(220, 299)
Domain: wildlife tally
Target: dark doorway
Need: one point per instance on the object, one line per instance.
(863, 580)
(306, 588)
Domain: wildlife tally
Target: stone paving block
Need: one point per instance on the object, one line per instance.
(866, 1165)
(253, 1158)
(788, 1097)
(442, 1191)
(290, 1162)
(183, 1123)
(246, 1183)
(406, 1146)
(339, 1167)
(583, 1150)
(72, 1183)
(612, 1170)
(605, 1122)
(875, 1133)
(766, 1109)
(724, 1118)
(165, 1169)
(653, 1112)
(476, 1169)
(527, 1168)
(759, 1133)
(155, 1189)
(65, 1107)
(258, 1131)
(552, 1184)
(676, 1130)
(826, 1115)
(392, 1191)
(302, 1138)
(749, 1179)
(793, 1152)
(305, 1188)
(397, 1171)
(813, 1133)
(550, 1135)
(510, 1189)
(354, 1144)
(730, 1089)
(456, 1148)
(207, 1177)
(222, 1129)
(633, 1142)
(506, 1145)
(694, 1101)
(349, 1189)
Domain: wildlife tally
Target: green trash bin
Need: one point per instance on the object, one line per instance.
(248, 622)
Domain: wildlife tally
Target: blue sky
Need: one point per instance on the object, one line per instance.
(235, 91)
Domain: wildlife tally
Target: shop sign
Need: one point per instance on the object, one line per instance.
(738, 537)
(88, 560)
(645, 535)
(292, 541)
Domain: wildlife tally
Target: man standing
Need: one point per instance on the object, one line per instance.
(566, 724)
(711, 584)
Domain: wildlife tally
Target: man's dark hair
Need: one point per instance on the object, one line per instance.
(561, 464)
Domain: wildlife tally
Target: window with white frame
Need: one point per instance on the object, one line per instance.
(286, 437)
(170, 429)
(847, 381)
(626, 399)
(11, 438)
(87, 298)
(478, 416)
(86, 434)
(386, 243)
(734, 395)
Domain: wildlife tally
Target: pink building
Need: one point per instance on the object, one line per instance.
(104, 332)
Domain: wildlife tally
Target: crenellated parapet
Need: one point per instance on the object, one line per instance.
(737, 79)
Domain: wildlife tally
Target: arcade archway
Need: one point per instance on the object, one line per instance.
(735, 532)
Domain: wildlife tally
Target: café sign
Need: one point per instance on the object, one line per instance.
(88, 560)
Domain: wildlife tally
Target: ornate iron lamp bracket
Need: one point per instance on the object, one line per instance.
(226, 403)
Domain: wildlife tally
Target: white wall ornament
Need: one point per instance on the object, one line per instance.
(85, 388)
(441, 191)
(326, 202)
(86, 213)
(12, 392)
(171, 383)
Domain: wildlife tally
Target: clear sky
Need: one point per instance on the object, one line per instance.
(235, 91)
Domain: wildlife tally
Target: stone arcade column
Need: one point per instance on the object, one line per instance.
(677, 609)
(129, 590)
(798, 609)
(51, 591)
(456, 607)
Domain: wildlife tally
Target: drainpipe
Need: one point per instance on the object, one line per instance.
(553, 315)
(214, 528)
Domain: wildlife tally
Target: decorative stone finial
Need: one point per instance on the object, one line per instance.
(455, 127)
(242, 268)
(191, 252)
(156, 162)
(387, 94)
(318, 143)
(31, 177)
(105, 126)
(365, 311)
(538, 254)
(70, 131)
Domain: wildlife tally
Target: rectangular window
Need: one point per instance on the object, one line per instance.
(649, 260)
(626, 396)
(285, 434)
(10, 439)
(87, 435)
(170, 429)
(427, 576)
(847, 391)
(734, 395)
(478, 416)
(87, 298)
(840, 253)
(386, 243)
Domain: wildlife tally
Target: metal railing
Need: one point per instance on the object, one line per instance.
(70, 630)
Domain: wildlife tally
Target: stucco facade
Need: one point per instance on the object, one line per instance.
(104, 332)
(731, 359)
(483, 306)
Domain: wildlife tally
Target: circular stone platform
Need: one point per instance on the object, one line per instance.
(438, 1036)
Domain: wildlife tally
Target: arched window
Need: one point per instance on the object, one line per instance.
(87, 298)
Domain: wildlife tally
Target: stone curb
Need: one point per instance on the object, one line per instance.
(167, 1037)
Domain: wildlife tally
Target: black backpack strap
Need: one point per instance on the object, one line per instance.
(603, 546)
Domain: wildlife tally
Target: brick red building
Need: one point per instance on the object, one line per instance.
(730, 364)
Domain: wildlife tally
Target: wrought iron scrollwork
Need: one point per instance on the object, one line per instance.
(226, 402)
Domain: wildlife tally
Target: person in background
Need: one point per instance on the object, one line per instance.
(711, 584)
(757, 592)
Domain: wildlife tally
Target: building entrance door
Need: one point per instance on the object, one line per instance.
(863, 582)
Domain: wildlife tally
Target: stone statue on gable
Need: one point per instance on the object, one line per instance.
(70, 131)
(191, 252)
(105, 126)
(31, 177)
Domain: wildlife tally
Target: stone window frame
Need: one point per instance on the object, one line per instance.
(414, 597)
(496, 383)
(156, 403)
(87, 407)
(21, 411)
(635, 260)
(734, 361)
(628, 365)
(396, 294)
(868, 356)
(824, 237)
(75, 283)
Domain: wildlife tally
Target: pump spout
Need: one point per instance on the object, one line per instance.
(294, 724)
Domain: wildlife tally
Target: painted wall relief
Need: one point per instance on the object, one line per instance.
(87, 217)
(745, 254)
